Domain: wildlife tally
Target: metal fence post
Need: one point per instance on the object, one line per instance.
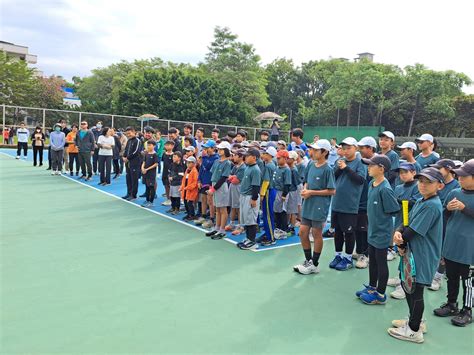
(44, 120)
(80, 118)
(3, 116)
(112, 125)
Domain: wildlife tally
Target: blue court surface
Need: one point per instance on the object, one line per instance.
(118, 188)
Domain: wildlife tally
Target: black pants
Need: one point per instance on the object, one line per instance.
(105, 168)
(133, 175)
(57, 159)
(73, 157)
(274, 137)
(454, 272)
(49, 157)
(118, 167)
(281, 220)
(378, 268)
(21, 146)
(362, 246)
(38, 151)
(416, 305)
(95, 160)
(189, 205)
(175, 202)
(344, 225)
(150, 192)
(85, 163)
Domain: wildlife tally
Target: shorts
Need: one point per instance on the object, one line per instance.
(248, 215)
(362, 222)
(165, 180)
(292, 202)
(279, 205)
(299, 199)
(221, 196)
(311, 223)
(344, 222)
(234, 195)
(174, 191)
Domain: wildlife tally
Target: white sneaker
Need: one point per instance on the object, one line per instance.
(399, 323)
(58, 173)
(53, 172)
(355, 256)
(208, 224)
(362, 262)
(391, 255)
(435, 285)
(306, 268)
(280, 234)
(405, 333)
(17, 157)
(393, 282)
(398, 294)
(199, 221)
(166, 203)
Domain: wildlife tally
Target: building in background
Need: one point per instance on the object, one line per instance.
(20, 52)
(70, 99)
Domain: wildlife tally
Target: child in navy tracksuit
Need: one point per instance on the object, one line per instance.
(209, 156)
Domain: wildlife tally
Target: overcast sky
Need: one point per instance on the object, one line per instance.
(73, 37)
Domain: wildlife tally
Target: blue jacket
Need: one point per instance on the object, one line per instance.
(205, 168)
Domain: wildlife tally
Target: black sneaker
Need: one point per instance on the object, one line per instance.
(142, 195)
(71, 174)
(328, 234)
(267, 243)
(89, 178)
(463, 318)
(48, 168)
(125, 197)
(219, 235)
(131, 198)
(186, 218)
(77, 173)
(170, 210)
(211, 233)
(447, 310)
(82, 177)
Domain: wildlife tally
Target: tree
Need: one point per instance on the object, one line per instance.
(50, 94)
(18, 83)
(237, 64)
(98, 92)
(281, 77)
(181, 93)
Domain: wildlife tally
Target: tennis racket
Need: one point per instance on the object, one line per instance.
(407, 261)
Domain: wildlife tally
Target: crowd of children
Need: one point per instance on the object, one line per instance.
(267, 190)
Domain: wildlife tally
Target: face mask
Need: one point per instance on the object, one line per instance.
(57, 129)
(38, 130)
(99, 126)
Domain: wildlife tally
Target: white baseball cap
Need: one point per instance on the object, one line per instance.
(350, 141)
(321, 144)
(425, 137)
(368, 142)
(272, 151)
(405, 145)
(224, 145)
(191, 159)
(190, 148)
(292, 155)
(387, 134)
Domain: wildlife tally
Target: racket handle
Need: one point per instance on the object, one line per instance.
(405, 212)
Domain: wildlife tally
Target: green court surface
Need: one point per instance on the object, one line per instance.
(82, 272)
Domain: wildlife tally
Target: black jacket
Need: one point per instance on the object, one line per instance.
(133, 151)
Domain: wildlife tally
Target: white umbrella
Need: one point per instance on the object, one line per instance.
(268, 116)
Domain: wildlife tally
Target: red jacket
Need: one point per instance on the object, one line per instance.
(191, 188)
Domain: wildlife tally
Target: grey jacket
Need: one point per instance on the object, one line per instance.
(86, 144)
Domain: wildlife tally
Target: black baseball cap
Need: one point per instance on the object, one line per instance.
(169, 142)
(466, 169)
(149, 129)
(252, 152)
(431, 174)
(406, 166)
(444, 163)
(151, 141)
(380, 160)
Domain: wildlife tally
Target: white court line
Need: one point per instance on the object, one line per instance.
(156, 212)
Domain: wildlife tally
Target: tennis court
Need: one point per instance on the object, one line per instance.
(85, 272)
